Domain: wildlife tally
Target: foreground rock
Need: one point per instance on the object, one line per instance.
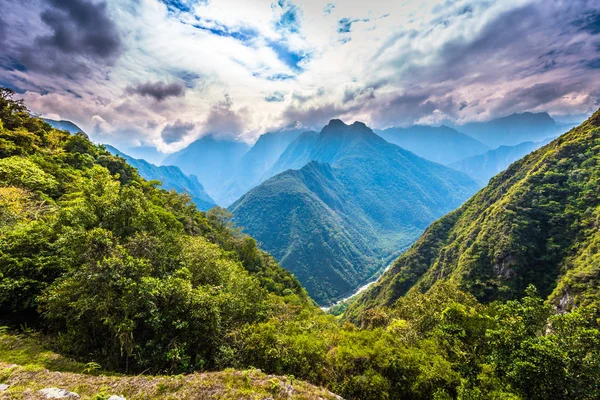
(56, 393)
(25, 383)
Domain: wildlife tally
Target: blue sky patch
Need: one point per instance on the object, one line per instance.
(290, 58)
(276, 97)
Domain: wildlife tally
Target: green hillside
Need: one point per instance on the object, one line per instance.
(120, 271)
(536, 223)
(346, 214)
(111, 286)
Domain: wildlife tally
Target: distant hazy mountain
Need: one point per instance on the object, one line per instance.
(440, 144)
(213, 160)
(339, 220)
(148, 153)
(257, 161)
(296, 155)
(514, 129)
(484, 166)
(64, 125)
(171, 177)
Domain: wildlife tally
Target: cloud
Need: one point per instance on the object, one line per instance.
(159, 91)
(176, 131)
(81, 33)
(275, 97)
(224, 120)
(407, 62)
(2, 30)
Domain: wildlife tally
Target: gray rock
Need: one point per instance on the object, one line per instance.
(56, 393)
(115, 397)
(4, 387)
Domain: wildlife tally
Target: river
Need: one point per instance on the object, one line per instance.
(357, 291)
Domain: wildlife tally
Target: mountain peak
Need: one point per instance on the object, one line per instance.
(359, 124)
(335, 123)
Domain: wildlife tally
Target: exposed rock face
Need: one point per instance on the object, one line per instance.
(56, 393)
(4, 387)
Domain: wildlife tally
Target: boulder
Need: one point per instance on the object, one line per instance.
(56, 393)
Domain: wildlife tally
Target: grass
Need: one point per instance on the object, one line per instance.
(27, 366)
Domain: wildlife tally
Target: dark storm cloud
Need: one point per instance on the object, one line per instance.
(521, 43)
(176, 132)
(81, 33)
(533, 96)
(157, 90)
(223, 119)
(2, 30)
(589, 22)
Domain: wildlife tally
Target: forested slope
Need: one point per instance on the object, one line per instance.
(130, 275)
(536, 223)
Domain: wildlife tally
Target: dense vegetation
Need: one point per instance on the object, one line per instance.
(536, 223)
(340, 219)
(128, 274)
(118, 272)
(170, 177)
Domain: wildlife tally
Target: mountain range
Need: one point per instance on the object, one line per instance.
(63, 125)
(484, 166)
(257, 161)
(441, 144)
(535, 223)
(514, 129)
(356, 202)
(171, 178)
(214, 160)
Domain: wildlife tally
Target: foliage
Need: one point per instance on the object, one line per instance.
(536, 223)
(119, 270)
(129, 277)
(346, 204)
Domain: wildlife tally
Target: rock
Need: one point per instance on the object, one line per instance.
(115, 397)
(4, 387)
(56, 393)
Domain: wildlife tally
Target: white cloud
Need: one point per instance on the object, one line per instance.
(392, 63)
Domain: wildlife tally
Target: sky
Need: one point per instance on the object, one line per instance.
(162, 73)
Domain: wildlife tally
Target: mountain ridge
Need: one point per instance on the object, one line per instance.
(383, 197)
(171, 177)
(533, 223)
(441, 144)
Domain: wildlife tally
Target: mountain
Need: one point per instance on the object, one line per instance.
(514, 129)
(296, 155)
(171, 178)
(63, 125)
(147, 153)
(258, 160)
(357, 201)
(441, 144)
(484, 166)
(535, 223)
(213, 160)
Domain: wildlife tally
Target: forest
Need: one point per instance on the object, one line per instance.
(102, 266)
